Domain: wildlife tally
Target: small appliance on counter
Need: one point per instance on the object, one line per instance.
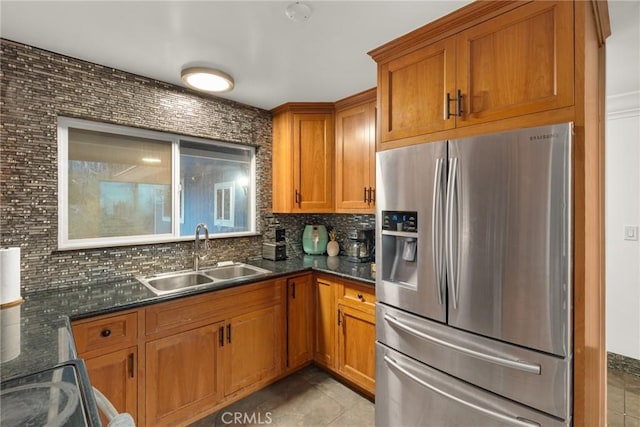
(360, 244)
(276, 248)
(315, 239)
(274, 251)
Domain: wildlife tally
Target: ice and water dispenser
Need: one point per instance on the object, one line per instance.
(400, 247)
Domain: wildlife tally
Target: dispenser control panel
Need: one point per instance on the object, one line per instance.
(400, 221)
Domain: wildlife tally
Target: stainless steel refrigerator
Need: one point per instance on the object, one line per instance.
(474, 285)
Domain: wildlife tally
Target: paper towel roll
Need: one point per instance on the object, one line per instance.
(9, 333)
(9, 276)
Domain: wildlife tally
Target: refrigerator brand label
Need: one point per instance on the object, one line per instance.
(542, 137)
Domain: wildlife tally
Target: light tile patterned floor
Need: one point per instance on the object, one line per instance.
(623, 399)
(310, 397)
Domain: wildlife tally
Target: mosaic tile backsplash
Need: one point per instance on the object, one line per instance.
(37, 86)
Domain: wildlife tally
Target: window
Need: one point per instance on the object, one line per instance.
(123, 186)
(223, 204)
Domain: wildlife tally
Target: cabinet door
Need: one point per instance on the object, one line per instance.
(115, 375)
(413, 91)
(356, 346)
(325, 330)
(299, 321)
(313, 141)
(253, 348)
(183, 374)
(355, 159)
(518, 63)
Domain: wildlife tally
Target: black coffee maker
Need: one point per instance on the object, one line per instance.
(360, 245)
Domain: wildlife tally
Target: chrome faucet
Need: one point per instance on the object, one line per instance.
(196, 245)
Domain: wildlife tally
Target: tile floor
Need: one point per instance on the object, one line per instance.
(623, 399)
(310, 397)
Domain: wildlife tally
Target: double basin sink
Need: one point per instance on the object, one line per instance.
(223, 273)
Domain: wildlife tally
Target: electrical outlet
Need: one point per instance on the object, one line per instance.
(630, 232)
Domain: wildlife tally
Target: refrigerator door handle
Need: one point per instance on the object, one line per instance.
(436, 229)
(517, 421)
(520, 365)
(452, 267)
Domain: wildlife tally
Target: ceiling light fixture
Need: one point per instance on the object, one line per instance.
(151, 160)
(207, 79)
(298, 12)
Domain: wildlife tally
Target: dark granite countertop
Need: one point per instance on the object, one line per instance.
(44, 334)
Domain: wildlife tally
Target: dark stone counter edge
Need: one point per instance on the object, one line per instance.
(156, 299)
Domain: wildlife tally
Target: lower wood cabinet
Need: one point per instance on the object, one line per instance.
(114, 374)
(171, 363)
(300, 317)
(356, 346)
(252, 349)
(324, 345)
(108, 346)
(345, 330)
(218, 356)
(183, 374)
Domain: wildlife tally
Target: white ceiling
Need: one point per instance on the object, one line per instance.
(623, 47)
(272, 59)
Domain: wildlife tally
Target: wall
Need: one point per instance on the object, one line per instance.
(37, 86)
(294, 226)
(623, 209)
(622, 180)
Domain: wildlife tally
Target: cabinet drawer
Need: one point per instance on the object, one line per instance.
(362, 297)
(106, 333)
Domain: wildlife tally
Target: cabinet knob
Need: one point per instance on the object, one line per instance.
(105, 333)
(359, 296)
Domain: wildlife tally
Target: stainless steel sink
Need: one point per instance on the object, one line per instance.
(235, 271)
(225, 273)
(173, 282)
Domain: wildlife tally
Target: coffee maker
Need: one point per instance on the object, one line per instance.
(360, 245)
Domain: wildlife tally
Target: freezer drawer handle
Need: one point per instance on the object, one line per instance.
(518, 421)
(514, 364)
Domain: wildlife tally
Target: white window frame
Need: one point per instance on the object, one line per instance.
(64, 243)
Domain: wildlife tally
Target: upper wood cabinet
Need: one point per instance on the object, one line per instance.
(413, 89)
(487, 62)
(303, 153)
(356, 153)
(518, 63)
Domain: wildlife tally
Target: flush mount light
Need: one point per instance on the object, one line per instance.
(298, 12)
(151, 160)
(207, 79)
